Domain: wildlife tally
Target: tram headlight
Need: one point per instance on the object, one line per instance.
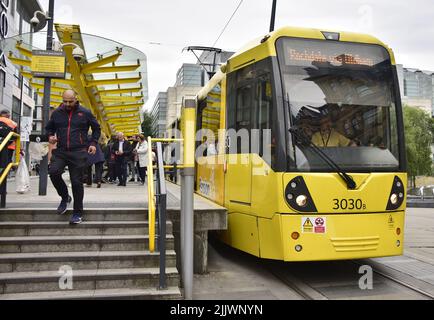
(397, 193)
(301, 200)
(394, 199)
(298, 197)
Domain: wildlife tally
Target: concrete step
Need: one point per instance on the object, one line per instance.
(46, 261)
(171, 293)
(133, 278)
(87, 228)
(115, 214)
(30, 244)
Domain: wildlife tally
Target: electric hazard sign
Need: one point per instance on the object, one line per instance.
(315, 225)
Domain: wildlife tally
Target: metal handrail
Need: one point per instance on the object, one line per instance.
(5, 142)
(151, 191)
(151, 198)
(161, 210)
(158, 201)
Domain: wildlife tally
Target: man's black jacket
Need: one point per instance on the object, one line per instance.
(127, 150)
(71, 128)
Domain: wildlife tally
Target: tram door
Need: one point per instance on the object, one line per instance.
(240, 103)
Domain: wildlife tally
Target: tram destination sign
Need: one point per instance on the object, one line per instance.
(48, 64)
(302, 52)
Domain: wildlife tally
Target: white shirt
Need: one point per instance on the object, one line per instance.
(121, 146)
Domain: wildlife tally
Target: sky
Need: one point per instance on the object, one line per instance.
(161, 29)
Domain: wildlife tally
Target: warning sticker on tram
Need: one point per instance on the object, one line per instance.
(313, 225)
(307, 225)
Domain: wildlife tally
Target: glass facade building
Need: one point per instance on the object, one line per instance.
(417, 88)
(159, 115)
(16, 94)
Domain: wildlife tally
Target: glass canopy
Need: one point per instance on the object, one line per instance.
(111, 80)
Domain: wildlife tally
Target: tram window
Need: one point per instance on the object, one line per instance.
(263, 111)
(244, 106)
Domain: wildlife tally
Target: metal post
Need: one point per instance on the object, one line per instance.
(273, 16)
(189, 131)
(182, 229)
(162, 201)
(43, 173)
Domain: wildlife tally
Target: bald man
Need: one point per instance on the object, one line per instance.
(68, 127)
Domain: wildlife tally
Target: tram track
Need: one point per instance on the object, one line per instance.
(396, 280)
(334, 287)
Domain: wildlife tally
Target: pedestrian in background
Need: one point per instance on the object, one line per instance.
(96, 160)
(133, 159)
(122, 150)
(142, 153)
(6, 126)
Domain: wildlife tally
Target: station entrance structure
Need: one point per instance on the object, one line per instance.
(110, 79)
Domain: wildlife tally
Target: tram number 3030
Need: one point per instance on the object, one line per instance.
(348, 204)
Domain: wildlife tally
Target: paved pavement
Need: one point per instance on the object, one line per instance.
(133, 195)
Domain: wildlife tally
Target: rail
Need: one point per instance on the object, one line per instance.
(157, 203)
(5, 166)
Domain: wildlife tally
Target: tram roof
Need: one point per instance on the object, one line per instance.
(264, 46)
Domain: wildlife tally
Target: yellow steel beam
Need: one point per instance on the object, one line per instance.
(133, 117)
(99, 63)
(121, 99)
(120, 91)
(123, 119)
(68, 82)
(25, 52)
(123, 106)
(126, 124)
(132, 126)
(39, 86)
(20, 62)
(113, 114)
(107, 82)
(56, 97)
(122, 112)
(114, 69)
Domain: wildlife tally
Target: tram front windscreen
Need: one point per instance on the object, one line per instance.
(341, 98)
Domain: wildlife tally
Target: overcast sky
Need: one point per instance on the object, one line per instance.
(162, 28)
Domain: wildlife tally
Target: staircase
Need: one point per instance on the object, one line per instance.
(107, 254)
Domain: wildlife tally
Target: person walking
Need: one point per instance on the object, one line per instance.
(122, 149)
(133, 159)
(68, 127)
(96, 160)
(142, 152)
(7, 125)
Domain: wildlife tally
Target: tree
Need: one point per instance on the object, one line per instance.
(419, 137)
(147, 129)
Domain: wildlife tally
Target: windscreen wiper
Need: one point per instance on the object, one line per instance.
(299, 134)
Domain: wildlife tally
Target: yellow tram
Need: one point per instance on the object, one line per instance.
(322, 174)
